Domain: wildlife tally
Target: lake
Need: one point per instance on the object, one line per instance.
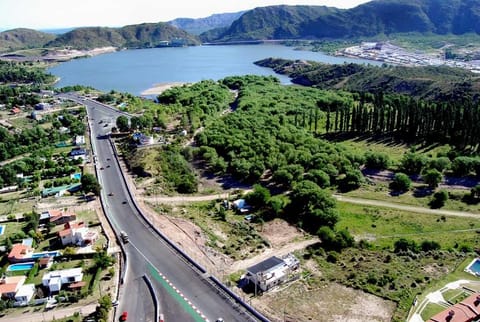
(134, 71)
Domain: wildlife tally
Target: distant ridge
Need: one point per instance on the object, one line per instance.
(22, 38)
(200, 25)
(378, 17)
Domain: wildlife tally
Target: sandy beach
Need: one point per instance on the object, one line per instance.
(159, 88)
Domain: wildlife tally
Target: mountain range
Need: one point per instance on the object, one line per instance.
(377, 17)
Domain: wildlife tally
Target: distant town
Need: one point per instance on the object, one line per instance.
(391, 54)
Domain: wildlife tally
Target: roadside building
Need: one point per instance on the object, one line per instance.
(271, 272)
(465, 311)
(20, 253)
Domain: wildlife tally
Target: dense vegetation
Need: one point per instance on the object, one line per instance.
(23, 38)
(383, 17)
(439, 83)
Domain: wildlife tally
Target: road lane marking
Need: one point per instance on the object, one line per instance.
(176, 294)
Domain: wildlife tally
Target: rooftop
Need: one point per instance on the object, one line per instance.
(266, 265)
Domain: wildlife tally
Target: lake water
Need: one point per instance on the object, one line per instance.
(134, 71)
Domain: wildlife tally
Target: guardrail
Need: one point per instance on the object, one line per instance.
(214, 280)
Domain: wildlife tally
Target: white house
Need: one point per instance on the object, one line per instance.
(76, 233)
(24, 294)
(80, 140)
(271, 271)
(55, 279)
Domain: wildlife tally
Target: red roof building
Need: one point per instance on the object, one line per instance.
(466, 311)
(19, 252)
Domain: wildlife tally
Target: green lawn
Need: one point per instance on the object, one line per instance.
(430, 310)
(382, 226)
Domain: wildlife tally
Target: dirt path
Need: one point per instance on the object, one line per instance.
(420, 210)
(185, 199)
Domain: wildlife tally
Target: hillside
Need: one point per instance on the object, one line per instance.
(378, 17)
(200, 25)
(23, 38)
(431, 83)
(133, 36)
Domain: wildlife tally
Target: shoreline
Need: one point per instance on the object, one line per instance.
(159, 88)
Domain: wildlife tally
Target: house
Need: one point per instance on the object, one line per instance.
(59, 217)
(464, 311)
(42, 106)
(80, 140)
(76, 233)
(24, 294)
(56, 279)
(10, 285)
(271, 271)
(20, 253)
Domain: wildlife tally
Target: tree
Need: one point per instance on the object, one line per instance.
(432, 177)
(376, 160)
(401, 182)
(412, 163)
(90, 184)
(123, 123)
(312, 206)
(352, 180)
(403, 245)
(259, 197)
(439, 199)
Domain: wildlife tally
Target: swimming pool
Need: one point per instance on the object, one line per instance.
(20, 267)
(45, 254)
(474, 267)
(77, 176)
(2, 229)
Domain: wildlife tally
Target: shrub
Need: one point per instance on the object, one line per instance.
(439, 199)
(401, 182)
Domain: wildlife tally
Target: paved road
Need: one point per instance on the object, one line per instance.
(147, 253)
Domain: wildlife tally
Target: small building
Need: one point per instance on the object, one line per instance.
(241, 206)
(20, 253)
(15, 111)
(59, 217)
(465, 311)
(271, 272)
(42, 106)
(76, 233)
(24, 294)
(80, 140)
(56, 279)
(78, 151)
(10, 285)
(45, 262)
(9, 189)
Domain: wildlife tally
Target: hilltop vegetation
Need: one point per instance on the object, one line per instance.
(22, 38)
(382, 17)
(200, 25)
(433, 83)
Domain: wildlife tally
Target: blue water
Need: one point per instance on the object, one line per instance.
(45, 254)
(134, 71)
(2, 229)
(77, 176)
(475, 267)
(20, 267)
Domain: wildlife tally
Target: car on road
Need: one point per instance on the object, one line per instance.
(110, 194)
(124, 202)
(124, 316)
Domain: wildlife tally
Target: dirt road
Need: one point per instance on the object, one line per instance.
(420, 210)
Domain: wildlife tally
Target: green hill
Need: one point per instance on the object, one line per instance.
(430, 83)
(200, 25)
(145, 35)
(378, 17)
(23, 38)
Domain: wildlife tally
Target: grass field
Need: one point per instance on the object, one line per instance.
(382, 226)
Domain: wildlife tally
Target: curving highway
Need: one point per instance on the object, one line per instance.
(182, 292)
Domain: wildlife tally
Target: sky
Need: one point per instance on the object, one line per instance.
(49, 14)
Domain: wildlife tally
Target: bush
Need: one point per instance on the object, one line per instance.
(439, 199)
(376, 160)
(401, 182)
